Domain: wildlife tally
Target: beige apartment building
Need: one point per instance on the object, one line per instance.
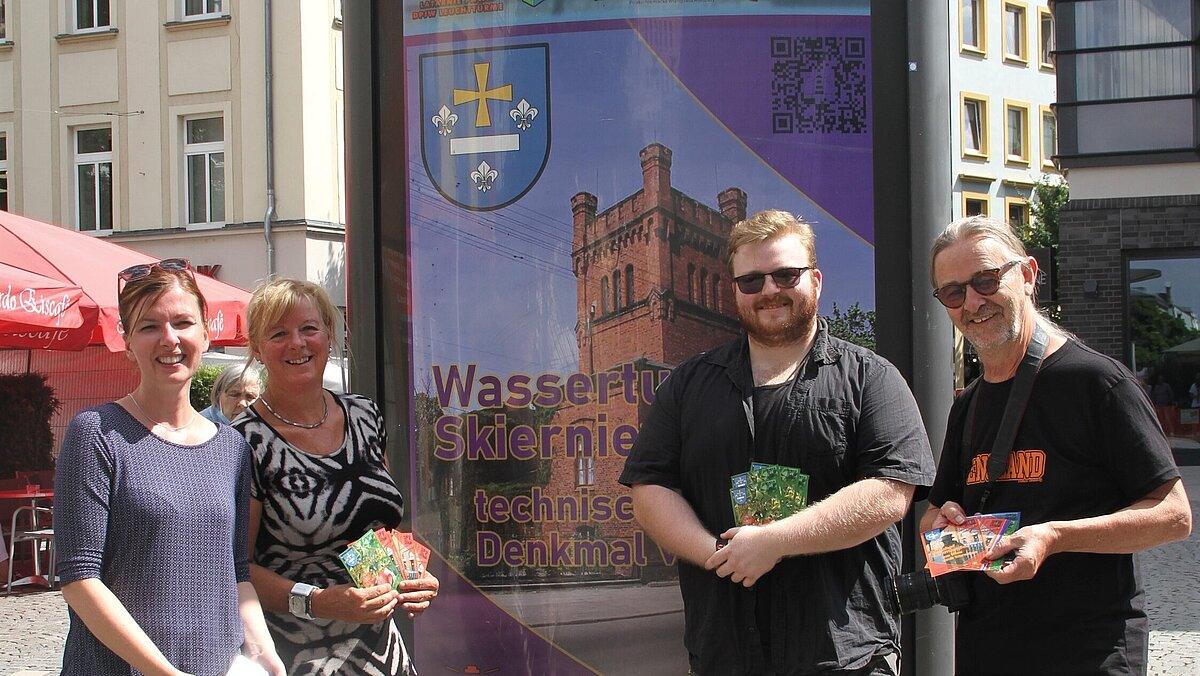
(145, 121)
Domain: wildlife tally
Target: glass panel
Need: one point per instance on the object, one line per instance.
(193, 7)
(1109, 23)
(102, 13)
(970, 34)
(216, 186)
(1164, 331)
(207, 130)
(1049, 135)
(1148, 125)
(85, 15)
(105, 196)
(973, 126)
(1016, 132)
(1133, 74)
(94, 140)
(3, 148)
(976, 207)
(214, 6)
(3, 24)
(86, 181)
(1046, 38)
(1014, 31)
(1016, 216)
(4, 190)
(197, 186)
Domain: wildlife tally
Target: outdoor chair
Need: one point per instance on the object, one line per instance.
(34, 535)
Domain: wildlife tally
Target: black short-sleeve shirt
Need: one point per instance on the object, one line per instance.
(849, 416)
(1088, 445)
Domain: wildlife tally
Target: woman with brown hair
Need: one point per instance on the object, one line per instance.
(151, 508)
(320, 482)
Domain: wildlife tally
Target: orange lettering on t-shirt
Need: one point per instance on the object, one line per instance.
(1023, 467)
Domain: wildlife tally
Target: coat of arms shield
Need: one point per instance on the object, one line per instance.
(485, 122)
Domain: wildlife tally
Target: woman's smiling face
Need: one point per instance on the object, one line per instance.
(167, 339)
(295, 350)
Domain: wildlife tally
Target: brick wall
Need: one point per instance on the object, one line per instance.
(1095, 237)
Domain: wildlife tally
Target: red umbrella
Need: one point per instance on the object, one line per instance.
(90, 264)
(29, 300)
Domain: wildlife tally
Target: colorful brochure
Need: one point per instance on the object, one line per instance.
(369, 562)
(767, 493)
(966, 546)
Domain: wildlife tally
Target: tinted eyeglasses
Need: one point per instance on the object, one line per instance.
(985, 283)
(784, 278)
(136, 272)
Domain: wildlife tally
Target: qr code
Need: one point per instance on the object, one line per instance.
(818, 85)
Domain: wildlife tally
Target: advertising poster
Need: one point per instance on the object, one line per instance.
(573, 172)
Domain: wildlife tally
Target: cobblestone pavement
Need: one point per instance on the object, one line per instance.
(33, 625)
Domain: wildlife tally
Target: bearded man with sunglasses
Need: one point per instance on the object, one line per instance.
(1090, 472)
(802, 594)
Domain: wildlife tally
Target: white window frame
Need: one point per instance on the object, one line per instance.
(4, 21)
(585, 466)
(184, 16)
(95, 12)
(82, 159)
(206, 149)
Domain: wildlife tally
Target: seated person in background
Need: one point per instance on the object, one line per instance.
(234, 390)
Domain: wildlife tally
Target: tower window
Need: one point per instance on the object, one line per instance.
(604, 295)
(629, 284)
(616, 290)
(703, 285)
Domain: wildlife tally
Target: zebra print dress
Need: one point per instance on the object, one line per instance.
(312, 507)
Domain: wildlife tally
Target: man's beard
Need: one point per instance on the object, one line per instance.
(1007, 329)
(797, 327)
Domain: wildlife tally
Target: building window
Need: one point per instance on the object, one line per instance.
(972, 35)
(1017, 211)
(974, 125)
(1049, 138)
(585, 467)
(703, 286)
(1016, 132)
(1127, 77)
(202, 9)
(716, 292)
(616, 290)
(1163, 299)
(604, 295)
(974, 204)
(1016, 34)
(91, 15)
(691, 283)
(1045, 38)
(3, 20)
(93, 179)
(204, 154)
(629, 284)
(3, 171)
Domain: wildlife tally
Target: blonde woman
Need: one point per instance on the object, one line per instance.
(320, 482)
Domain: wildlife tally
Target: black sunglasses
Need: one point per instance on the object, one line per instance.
(136, 272)
(985, 283)
(784, 278)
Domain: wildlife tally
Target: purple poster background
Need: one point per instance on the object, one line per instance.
(512, 293)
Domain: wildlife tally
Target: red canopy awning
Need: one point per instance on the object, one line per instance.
(59, 260)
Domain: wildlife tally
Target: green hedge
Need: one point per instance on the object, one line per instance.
(202, 382)
(27, 403)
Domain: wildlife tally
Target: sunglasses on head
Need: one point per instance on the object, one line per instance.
(136, 272)
(985, 283)
(784, 278)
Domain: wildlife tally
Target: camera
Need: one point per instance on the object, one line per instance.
(919, 590)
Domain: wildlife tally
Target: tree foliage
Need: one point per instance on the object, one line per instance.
(1049, 197)
(855, 325)
(1153, 329)
(201, 389)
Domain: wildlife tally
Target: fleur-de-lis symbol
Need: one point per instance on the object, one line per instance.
(444, 121)
(484, 176)
(523, 114)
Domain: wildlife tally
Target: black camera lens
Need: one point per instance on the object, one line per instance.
(919, 590)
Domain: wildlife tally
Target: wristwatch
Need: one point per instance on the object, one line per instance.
(300, 600)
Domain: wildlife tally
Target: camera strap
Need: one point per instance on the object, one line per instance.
(1014, 410)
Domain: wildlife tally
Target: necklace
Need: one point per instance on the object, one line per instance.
(293, 423)
(160, 422)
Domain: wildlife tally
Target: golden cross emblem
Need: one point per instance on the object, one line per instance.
(482, 94)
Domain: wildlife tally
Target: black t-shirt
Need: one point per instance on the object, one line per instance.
(769, 403)
(849, 416)
(1088, 445)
